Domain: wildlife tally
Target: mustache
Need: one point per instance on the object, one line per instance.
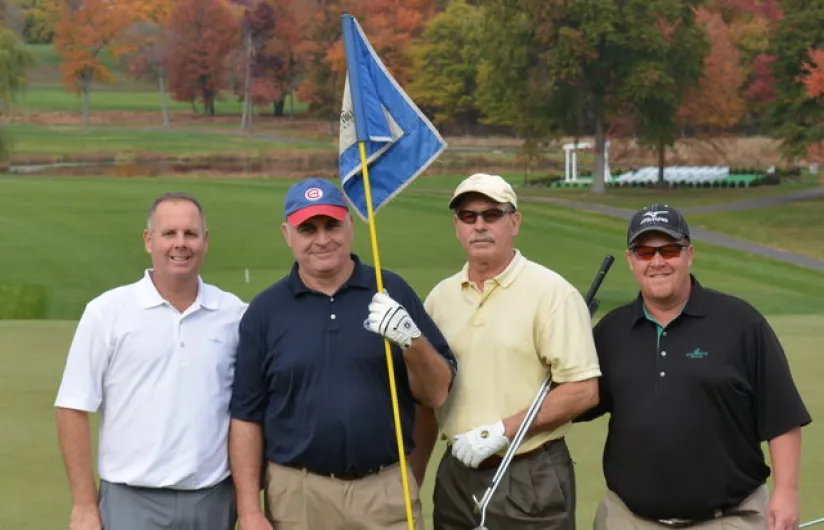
(481, 237)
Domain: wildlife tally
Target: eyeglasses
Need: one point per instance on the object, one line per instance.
(669, 251)
(490, 215)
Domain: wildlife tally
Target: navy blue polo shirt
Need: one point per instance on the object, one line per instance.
(311, 373)
(690, 404)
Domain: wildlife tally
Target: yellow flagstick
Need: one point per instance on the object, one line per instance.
(394, 394)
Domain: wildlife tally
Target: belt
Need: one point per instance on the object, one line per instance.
(347, 476)
(676, 522)
(495, 460)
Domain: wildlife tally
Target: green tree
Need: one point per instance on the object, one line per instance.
(557, 66)
(794, 116)
(671, 64)
(15, 60)
(446, 64)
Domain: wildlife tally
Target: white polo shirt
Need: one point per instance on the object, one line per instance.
(162, 381)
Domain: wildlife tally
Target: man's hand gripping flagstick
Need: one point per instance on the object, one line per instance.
(532, 411)
(384, 133)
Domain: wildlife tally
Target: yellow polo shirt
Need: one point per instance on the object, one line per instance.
(528, 321)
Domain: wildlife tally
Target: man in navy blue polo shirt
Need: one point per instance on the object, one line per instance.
(311, 405)
(694, 381)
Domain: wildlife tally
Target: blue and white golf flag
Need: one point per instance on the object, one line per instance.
(399, 141)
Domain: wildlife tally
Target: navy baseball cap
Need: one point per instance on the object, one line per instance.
(311, 197)
(658, 218)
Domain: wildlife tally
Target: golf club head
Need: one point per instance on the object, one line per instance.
(480, 528)
(477, 505)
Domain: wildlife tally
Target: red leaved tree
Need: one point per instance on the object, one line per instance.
(392, 26)
(83, 36)
(203, 33)
(717, 102)
(814, 82)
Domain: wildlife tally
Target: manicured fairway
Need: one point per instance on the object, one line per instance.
(69, 239)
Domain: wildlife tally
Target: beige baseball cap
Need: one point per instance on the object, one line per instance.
(493, 186)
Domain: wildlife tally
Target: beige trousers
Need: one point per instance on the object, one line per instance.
(299, 500)
(613, 514)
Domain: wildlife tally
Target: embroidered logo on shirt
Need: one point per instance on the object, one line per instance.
(697, 353)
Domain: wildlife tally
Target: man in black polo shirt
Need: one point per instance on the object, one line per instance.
(694, 380)
(311, 402)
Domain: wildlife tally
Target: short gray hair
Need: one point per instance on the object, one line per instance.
(175, 196)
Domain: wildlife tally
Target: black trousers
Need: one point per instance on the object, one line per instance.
(536, 493)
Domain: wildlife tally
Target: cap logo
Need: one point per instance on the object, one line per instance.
(654, 217)
(313, 194)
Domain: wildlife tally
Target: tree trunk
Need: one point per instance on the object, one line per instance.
(161, 86)
(277, 110)
(246, 117)
(662, 151)
(598, 180)
(87, 82)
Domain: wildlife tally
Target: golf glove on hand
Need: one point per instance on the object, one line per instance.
(475, 446)
(390, 319)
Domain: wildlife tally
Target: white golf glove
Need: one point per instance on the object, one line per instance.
(390, 319)
(475, 446)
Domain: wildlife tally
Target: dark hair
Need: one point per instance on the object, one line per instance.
(174, 196)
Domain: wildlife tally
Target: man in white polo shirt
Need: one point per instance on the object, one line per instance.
(156, 358)
(510, 322)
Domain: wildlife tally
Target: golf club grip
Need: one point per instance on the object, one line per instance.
(599, 278)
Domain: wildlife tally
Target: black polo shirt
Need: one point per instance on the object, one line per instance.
(316, 378)
(691, 403)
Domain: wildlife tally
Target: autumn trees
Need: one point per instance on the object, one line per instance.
(83, 36)
(650, 70)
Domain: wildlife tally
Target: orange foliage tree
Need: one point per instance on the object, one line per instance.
(717, 102)
(83, 36)
(391, 26)
(203, 34)
(814, 82)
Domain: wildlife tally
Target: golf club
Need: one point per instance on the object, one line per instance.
(535, 406)
(811, 523)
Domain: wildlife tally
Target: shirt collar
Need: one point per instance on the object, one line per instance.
(694, 306)
(362, 277)
(506, 276)
(150, 297)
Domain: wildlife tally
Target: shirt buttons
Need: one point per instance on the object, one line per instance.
(663, 374)
(664, 333)
(182, 344)
(332, 299)
(332, 316)
(663, 354)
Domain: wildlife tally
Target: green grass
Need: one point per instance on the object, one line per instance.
(123, 97)
(59, 141)
(795, 227)
(632, 198)
(37, 498)
(79, 236)
(635, 198)
(46, 92)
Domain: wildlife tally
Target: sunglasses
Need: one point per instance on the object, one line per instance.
(490, 215)
(669, 251)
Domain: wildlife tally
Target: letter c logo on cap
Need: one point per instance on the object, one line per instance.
(313, 194)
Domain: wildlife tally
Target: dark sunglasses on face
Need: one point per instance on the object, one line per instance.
(490, 215)
(669, 251)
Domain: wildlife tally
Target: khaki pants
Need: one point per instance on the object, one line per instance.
(299, 500)
(613, 514)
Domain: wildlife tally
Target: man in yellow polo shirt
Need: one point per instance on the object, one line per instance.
(509, 321)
